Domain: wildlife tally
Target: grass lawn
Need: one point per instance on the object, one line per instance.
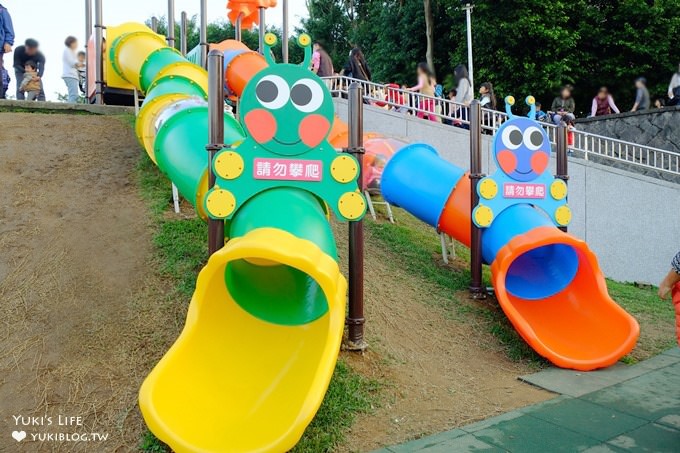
(420, 249)
(181, 251)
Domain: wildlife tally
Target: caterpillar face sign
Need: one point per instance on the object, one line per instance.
(522, 149)
(286, 111)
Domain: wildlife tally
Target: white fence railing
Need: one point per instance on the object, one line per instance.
(446, 111)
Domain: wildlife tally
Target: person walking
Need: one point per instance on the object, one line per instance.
(463, 93)
(641, 95)
(322, 65)
(425, 86)
(70, 72)
(6, 41)
(563, 106)
(674, 89)
(30, 51)
(603, 103)
(358, 65)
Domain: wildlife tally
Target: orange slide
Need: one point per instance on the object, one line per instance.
(548, 283)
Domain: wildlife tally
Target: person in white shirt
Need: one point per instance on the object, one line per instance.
(70, 73)
(674, 89)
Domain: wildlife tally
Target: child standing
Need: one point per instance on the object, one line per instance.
(82, 71)
(31, 85)
(671, 283)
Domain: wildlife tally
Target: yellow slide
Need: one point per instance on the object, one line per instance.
(263, 330)
(246, 384)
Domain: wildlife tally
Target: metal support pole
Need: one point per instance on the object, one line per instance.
(98, 52)
(154, 24)
(237, 28)
(203, 35)
(561, 150)
(183, 33)
(468, 18)
(88, 33)
(216, 137)
(284, 32)
(171, 23)
(355, 319)
(477, 290)
(261, 30)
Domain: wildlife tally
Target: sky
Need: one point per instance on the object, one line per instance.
(55, 20)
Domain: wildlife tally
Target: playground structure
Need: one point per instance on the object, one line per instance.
(269, 188)
(260, 379)
(547, 282)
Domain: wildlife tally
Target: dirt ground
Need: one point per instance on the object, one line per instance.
(440, 372)
(78, 318)
(84, 318)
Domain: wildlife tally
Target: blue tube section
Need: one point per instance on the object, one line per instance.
(539, 273)
(420, 181)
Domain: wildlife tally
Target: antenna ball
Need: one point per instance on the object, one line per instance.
(304, 40)
(510, 100)
(530, 100)
(270, 39)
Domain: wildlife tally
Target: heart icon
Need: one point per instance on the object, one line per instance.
(19, 435)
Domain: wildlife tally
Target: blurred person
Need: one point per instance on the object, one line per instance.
(30, 51)
(563, 106)
(463, 93)
(540, 114)
(425, 86)
(6, 41)
(358, 66)
(31, 84)
(641, 95)
(82, 71)
(322, 65)
(603, 103)
(674, 89)
(70, 72)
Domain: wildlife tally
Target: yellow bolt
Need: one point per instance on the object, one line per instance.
(488, 188)
(558, 189)
(220, 203)
(563, 215)
(344, 169)
(483, 215)
(351, 205)
(229, 165)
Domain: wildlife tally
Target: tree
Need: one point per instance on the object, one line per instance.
(521, 46)
(221, 30)
(429, 33)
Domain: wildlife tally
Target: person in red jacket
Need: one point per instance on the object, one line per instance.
(671, 283)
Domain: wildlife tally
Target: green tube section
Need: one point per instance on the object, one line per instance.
(180, 146)
(271, 291)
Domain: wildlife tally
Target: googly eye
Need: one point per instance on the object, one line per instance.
(306, 95)
(512, 137)
(533, 138)
(272, 92)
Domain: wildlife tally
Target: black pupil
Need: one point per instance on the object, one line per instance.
(536, 138)
(266, 91)
(515, 137)
(301, 95)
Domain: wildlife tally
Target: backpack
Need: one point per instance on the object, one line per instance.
(439, 91)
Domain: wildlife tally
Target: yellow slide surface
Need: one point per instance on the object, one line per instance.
(212, 393)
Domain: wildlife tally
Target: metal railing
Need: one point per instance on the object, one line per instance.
(591, 146)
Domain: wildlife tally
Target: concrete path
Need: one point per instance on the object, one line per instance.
(621, 409)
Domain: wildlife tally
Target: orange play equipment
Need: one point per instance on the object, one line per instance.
(247, 10)
(547, 282)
